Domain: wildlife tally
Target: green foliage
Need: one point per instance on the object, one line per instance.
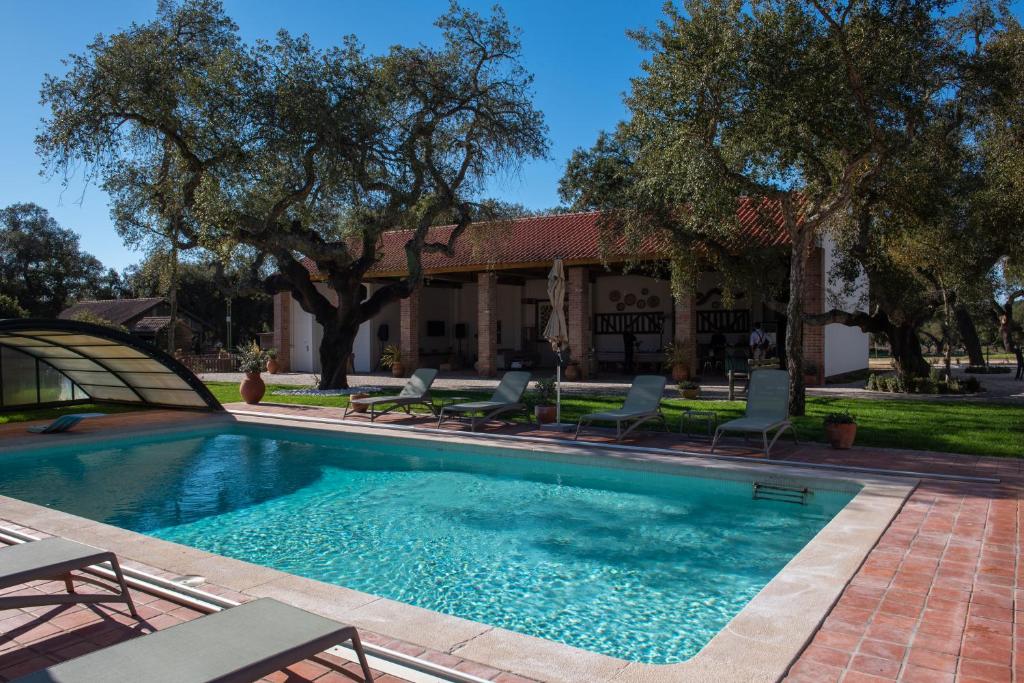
(544, 391)
(9, 308)
(289, 150)
(929, 384)
(688, 385)
(840, 418)
(390, 356)
(43, 267)
(252, 358)
(676, 354)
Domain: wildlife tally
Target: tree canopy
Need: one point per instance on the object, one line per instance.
(295, 151)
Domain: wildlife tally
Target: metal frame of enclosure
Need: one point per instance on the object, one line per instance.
(92, 363)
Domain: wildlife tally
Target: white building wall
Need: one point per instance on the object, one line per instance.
(846, 348)
(304, 350)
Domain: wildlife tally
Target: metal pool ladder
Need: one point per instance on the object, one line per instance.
(785, 494)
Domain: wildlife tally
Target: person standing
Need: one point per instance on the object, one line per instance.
(758, 342)
(1019, 352)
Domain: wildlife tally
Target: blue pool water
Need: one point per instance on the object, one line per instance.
(641, 566)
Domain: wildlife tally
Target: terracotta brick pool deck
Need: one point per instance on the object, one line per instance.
(939, 598)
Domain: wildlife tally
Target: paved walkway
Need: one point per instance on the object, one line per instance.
(998, 388)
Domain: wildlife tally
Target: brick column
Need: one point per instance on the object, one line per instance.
(487, 324)
(409, 331)
(283, 329)
(580, 338)
(814, 302)
(685, 330)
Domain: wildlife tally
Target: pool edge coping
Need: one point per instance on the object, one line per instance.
(759, 643)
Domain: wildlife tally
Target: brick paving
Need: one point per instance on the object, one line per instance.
(940, 598)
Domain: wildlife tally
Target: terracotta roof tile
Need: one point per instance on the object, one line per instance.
(537, 240)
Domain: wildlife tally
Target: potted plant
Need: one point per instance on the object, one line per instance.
(252, 360)
(358, 407)
(690, 390)
(273, 367)
(840, 429)
(677, 360)
(810, 374)
(572, 371)
(544, 396)
(391, 357)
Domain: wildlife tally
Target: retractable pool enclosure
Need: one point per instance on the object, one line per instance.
(50, 362)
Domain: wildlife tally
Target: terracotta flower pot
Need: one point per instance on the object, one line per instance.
(680, 373)
(691, 394)
(397, 370)
(273, 367)
(356, 407)
(545, 414)
(841, 436)
(252, 388)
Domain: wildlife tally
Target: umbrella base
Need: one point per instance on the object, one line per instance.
(558, 427)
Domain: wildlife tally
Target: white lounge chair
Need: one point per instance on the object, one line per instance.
(416, 391)
(507, 398)
(63, 423)
(642, 404)
(767, 410)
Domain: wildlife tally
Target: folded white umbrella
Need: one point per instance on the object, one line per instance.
(557, 331)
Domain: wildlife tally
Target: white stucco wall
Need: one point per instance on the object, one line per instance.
(846, 348)
(303, 349)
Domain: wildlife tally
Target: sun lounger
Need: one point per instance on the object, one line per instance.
(416, 391)
(507, 398)
(241, 644)
(642, 404)
(767, 409)
(55, 558)
(63, 423)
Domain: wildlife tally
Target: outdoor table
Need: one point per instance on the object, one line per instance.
(709, 417)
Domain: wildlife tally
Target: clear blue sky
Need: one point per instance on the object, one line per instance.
(577, 50)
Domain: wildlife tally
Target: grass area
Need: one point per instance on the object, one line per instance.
(51, 413)
(954, 427)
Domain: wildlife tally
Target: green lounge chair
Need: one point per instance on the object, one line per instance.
(416, 391)
(507, 398)
(767, 410)
(63, 423)
(54, 558)
(642, 404)
(237, 645)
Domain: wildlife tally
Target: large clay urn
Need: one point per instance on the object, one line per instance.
(273, 367)
(252, 388)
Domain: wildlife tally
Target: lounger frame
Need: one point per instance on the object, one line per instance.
(636, 419)
(481, 419)
(777, 427)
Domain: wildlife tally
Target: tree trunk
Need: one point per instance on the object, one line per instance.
(335, 350)
(969, 335)
(172, 295)
(906, 351)
(795, 324)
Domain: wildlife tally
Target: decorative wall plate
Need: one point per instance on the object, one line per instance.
(653, 300)
(645, 291)
(641, 303)
(620, 306)
(630, 299)
(615, 295)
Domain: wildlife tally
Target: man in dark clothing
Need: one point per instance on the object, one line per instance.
(1019, 352)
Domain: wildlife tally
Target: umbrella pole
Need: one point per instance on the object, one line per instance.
(558, 390)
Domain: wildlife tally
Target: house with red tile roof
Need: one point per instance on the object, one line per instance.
(485, 307)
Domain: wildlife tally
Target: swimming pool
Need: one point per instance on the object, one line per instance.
(637, 565)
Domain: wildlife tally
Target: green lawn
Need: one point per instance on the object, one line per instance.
(50, 413)
(974, 428)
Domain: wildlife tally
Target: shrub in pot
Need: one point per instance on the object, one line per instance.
(689, 390)
(840, 430)
(391, 357)
(273, 367)
(544, 408)
(252, 360)
(358, 407)
(677, 361)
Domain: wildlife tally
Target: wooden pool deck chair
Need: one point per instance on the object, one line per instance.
(507, 398)
(642, 404)
(767, 410)
(56, 558)
(416, 391)
(240, 644)
(63, 423)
